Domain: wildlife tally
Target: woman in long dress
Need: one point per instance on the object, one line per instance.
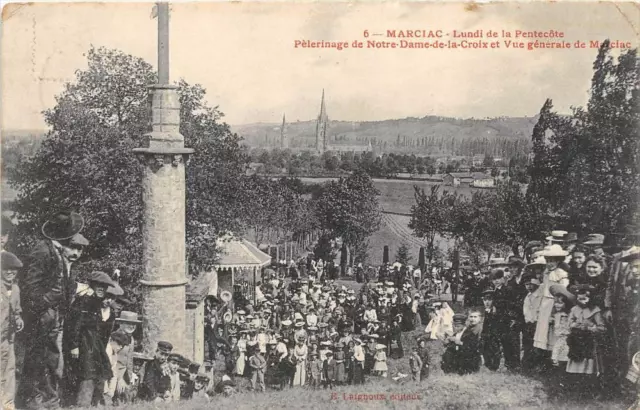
(242, 356)
(554, 255)
(300, 352)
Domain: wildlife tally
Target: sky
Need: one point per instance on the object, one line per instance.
(244, 56)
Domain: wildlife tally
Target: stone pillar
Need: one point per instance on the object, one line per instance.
(164, 233)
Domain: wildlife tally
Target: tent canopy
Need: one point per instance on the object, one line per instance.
(241, 254)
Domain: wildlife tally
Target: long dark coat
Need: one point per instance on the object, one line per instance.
(82, 331)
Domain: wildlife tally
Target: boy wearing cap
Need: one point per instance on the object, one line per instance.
(173, 393)
(315, 371)
(11, 322)
(258, 366)
(156, 379)
(415, 362)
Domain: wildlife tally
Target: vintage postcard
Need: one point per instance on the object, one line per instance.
(320, 205)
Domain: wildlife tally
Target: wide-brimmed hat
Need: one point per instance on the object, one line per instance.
(557, 236)
(631, 254)
(571, 237)
(128, 317)
(286, 322)
(593, 239)
(10, 261)
(380, 346)
(100, 277)
(554, 251)
(538, 260)
(115, 290)
(63, 225)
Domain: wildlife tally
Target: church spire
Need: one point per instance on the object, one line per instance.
(284, 140)
(321, 127)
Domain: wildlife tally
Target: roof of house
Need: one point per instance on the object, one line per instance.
(460, 174)
(240, 253)
(481, 175)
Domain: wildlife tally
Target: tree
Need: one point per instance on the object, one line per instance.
(348, 208)
(427, 217)
(403, 255)
(86, 163)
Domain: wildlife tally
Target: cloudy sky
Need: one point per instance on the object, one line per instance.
(244, 55)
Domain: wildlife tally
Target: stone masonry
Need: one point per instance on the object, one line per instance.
(164, 233)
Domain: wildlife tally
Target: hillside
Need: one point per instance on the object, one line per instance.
(408, 134)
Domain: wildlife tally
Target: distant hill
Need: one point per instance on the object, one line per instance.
(407, 134)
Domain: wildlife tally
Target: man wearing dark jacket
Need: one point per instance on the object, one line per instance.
(87, 365)
(48, 288)
(508, 306)
(156, 382)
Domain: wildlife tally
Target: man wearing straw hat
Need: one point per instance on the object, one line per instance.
(48, 288)
(128, 322)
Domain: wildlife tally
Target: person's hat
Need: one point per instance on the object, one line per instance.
(120, 338)
(630, 255)
(325, 343)
(389, 283)
(241, 312)
(357, 340)
(380, 346)
(329, 353)
(571, 237)
(351, 291)
(538, 260)
(533, 244)
(194, 367)
(373, 336)
(286, 322)
(165, 347)
(532, 280)
(487, 294)
(249, 317)
(593, 239)
(141, 357)
(273, 342)
(554, 251)
(100, 277)
(10, 261)
(321, 325)
(436, 304)
(314, 354)
(203, 377)
(516, 261)
(379, 284)
(557, 236)
(312, 328)
(496, 274)
(299, 324)
(459, 318)
(63, 225)
(128, 317)
(176, 357)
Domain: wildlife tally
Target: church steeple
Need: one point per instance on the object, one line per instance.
(321, 127)
(284, 139)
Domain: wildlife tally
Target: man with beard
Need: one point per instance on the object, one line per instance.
(87, 365)
(48, 288)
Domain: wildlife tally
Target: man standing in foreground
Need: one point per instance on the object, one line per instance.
(48, 288)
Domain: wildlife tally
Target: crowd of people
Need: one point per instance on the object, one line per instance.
(568, 309)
